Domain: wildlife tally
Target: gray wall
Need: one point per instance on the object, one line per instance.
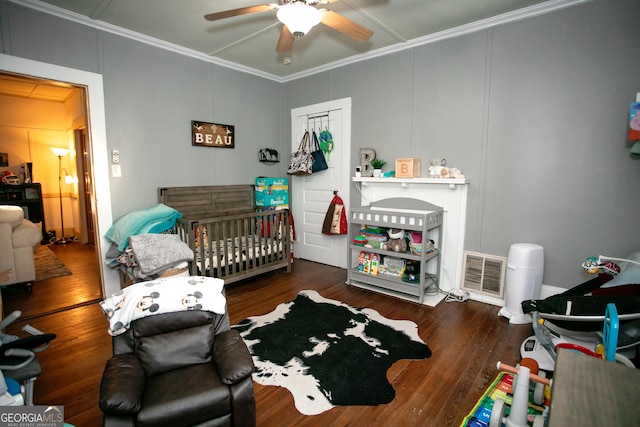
(151, 96)
(534, 113)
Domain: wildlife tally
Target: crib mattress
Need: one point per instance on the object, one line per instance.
(236, 250)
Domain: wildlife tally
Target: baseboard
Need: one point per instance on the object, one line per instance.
(548, 290)
(545, 292)
(486, 299)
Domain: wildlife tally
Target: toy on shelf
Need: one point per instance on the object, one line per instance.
(439, 170)
(360, 240)
(375, 236)
(397, 241)
(415, 243)
(436, 167)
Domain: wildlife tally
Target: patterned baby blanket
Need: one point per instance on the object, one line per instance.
(165, 295)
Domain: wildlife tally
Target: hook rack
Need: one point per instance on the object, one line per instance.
(314, 117)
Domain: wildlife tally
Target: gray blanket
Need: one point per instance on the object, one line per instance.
(157, 252)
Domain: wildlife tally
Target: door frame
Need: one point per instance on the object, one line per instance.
(97, 138)
(343, 104)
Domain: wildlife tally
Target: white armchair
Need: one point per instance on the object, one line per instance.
(18, 238)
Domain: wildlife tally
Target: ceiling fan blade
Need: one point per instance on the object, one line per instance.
(285, 42)
(240, 11)
(346, 26)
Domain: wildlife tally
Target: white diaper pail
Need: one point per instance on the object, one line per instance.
(525, 266)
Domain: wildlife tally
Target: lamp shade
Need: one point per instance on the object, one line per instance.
(299, 17)
(61, 152)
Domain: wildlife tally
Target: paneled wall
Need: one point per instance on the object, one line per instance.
(534, 112)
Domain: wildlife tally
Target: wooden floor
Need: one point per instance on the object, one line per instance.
(467, 339)
(60, 293)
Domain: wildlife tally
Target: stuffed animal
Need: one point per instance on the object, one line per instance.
(436, 167)
(396, 242)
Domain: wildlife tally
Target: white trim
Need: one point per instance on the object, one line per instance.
(547, 290)
(516, 15)
(98, 137)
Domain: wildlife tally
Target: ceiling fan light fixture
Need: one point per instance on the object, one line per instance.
(299, 17)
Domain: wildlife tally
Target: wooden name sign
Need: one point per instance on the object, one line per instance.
(205, 134)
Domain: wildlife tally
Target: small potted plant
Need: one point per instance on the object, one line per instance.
(377, 165)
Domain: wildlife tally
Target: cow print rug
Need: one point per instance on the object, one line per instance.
(327, 353)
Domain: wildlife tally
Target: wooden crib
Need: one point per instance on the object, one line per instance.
(229, 237)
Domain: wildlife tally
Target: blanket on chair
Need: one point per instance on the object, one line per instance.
(166, 295)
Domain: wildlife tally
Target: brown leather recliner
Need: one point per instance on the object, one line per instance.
(179, 369)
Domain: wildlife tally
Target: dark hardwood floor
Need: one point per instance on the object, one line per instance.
(467, 339)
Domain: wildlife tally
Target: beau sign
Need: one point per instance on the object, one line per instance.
(205, 134)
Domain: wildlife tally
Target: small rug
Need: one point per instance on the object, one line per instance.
(48, 265)
(327, 353)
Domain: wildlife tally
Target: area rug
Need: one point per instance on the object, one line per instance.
(327, 353)
(48, 265)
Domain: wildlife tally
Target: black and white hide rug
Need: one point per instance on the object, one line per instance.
(327, 353)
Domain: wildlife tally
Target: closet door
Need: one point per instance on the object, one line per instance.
(312, 194)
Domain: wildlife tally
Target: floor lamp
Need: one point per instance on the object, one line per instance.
(61, 152)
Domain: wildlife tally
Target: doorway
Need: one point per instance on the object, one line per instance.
(97, 138)
(312, 194)
(95, 141)
(44, 114)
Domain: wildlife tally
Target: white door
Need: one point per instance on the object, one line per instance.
(312, 194)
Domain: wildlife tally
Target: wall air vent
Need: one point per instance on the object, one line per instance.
(484, 274)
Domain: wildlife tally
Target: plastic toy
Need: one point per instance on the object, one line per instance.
(593, 265)
(518, 412)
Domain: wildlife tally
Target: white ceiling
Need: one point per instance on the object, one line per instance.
(248, 42)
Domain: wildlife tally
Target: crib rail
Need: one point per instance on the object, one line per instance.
(236, 247)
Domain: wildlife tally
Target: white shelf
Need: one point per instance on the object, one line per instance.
(408, 182)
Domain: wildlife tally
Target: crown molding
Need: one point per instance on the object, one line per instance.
(517, 15)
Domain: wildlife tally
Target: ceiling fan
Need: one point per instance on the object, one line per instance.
(298, 17)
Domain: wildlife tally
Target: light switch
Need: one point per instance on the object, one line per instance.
(115, 157)
(116, 172)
